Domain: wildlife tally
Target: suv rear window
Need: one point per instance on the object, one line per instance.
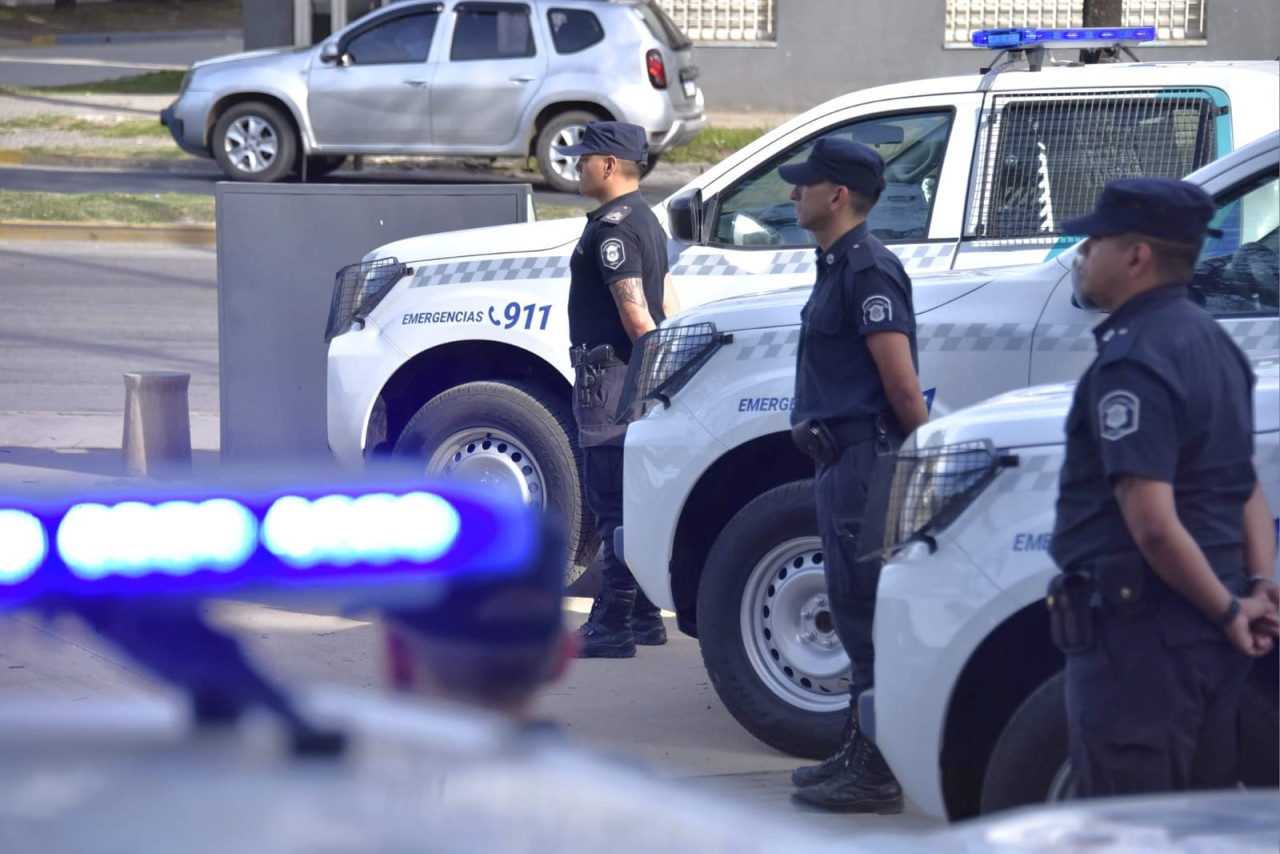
(492, 31)
(1047, 157)
(573, 30)
(663, 28)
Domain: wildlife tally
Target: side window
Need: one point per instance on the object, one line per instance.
(1238, 272)
(1047, 157)
(492, 31)
(573, 30)
(758, 211)
(406, 38)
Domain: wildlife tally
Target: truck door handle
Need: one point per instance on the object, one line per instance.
(418, 83)
(522, 78)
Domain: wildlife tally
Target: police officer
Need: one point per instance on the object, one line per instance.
(857, 396)
(1163, 533)
(619, 289)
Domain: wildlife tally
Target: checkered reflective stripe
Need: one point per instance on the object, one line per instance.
(1065, 338)
(710, 262)
(1034, 473)
(1259, 338)
(926, 256)
(490, 270)
(768, 345)
(975, 337)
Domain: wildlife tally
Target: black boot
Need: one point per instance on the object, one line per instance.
(646, 622)
(865, 785)
(811, 775)
(607, 631)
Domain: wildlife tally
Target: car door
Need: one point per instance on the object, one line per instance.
(495, 66)
(751, 240)
(375, 93)
(1236, 278)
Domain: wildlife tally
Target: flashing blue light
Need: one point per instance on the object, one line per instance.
(23, 545)
(378, 529)
(1014, 39)
(386, 541)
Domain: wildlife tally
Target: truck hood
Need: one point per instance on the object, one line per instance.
(776, 308)
(288, 56)
(1036, 415)
(474, 243)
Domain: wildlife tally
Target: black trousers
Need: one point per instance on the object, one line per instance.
(852, 495)
(1153, 706)
(602, 480)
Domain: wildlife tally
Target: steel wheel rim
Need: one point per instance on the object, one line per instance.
(564, 165)
(1063, 786)
(494, 460)
(788, 632)
(251, 144)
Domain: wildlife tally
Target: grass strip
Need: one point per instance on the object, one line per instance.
(713, 144)
(124, 129)
(558, 211)
(126, 208)
(151, 83)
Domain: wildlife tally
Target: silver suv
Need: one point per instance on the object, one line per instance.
(491, 79)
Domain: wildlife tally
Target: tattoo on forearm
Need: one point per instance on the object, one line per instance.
(629, 291)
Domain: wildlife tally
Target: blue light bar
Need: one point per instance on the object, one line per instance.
(386, 536)
(1083, 37)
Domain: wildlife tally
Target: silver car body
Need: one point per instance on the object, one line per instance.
(491, 107)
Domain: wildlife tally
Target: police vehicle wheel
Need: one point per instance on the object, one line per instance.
(253, 141)
(565, 129)
(320, 165)
(513, 437)
(1029, 762)
(765, 626)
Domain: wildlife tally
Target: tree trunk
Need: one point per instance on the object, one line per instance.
(1101, 13)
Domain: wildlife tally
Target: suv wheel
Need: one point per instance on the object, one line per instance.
(253, 141)
(765, 626)
(512, 437)
(565, 129)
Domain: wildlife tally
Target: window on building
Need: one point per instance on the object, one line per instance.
(573, 30)
(492, 31)
(725, 21)
(1179, 21)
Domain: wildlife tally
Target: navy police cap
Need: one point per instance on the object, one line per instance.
(1164, 208)
(840, 161)
(619, 139)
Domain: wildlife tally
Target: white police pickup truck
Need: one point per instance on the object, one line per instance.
(454, 347)
(968, 705)
(718, 517)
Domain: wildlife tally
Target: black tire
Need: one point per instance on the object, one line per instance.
(769, 553)
(253, 141)
(563, 129)
(520, 430)
(321, 165)
(1031, 753)
(1029, 764)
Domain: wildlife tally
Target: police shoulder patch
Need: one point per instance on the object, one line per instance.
(617, 215)
(877, 309)
(612, 253)
(1118, 414)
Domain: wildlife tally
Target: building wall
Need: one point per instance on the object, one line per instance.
(826, 48)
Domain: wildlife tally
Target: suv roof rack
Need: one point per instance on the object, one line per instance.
(1029, 45)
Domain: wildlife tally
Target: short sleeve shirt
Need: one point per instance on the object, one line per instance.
(1168, 398)
(861, 289)
(622, 240)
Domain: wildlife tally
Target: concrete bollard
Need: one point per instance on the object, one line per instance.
(157, 423)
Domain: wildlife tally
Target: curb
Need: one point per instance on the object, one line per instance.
(20, 157)
(54, 39)
(89, 232)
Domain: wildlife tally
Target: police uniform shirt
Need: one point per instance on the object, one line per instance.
(862, 289)
(1168, 398)
(622, 240)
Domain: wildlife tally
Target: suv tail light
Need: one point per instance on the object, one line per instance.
(657, 68)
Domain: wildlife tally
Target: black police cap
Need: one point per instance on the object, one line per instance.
(1164, 208)
(619, 139)
(840, 161)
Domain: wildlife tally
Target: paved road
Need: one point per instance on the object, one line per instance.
(62, 65)
(200, 178)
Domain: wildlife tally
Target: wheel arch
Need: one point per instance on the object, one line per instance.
(438, 369)
(550, 111)
(728, 485)
(228, 101)
(1010, 663)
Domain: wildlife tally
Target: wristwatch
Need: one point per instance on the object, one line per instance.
(1260, 579)
(1229, 617)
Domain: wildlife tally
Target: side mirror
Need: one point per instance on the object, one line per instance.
(330, 53)
(684, 214)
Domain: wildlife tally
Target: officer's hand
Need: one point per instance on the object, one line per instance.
(1254, 627)
(1266, 587)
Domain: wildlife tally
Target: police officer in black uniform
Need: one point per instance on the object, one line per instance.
(1163, 533)
(619, 289)
(857, 397)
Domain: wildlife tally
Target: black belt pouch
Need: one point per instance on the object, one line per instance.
(814, 439)
(1070, 617)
